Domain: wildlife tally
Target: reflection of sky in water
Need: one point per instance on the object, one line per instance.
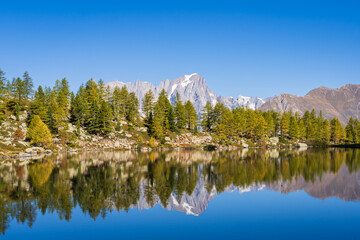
(229, 215)
(277, 209)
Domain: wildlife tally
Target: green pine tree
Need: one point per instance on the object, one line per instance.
(105, 118)
(179, 113)
(132, 108)
(39, 105)
(336, 131)
(284, 125)
(18, 91)
(191, 116)
(28, 85)
(293, 128)
(148, 108)
(207, 117)
(350, 131)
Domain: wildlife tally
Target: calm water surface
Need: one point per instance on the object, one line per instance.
(183, 194)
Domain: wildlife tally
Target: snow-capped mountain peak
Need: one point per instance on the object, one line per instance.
(187, 80)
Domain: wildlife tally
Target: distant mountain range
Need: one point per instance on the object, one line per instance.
(343, 102)
(191, 87)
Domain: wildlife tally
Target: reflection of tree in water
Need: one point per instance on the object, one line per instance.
(5, 215)
(100, 186)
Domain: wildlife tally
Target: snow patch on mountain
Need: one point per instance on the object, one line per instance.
(187, 80)
(188, 209)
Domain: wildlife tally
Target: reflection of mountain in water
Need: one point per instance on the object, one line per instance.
(342, 185)
(193, 204)
(184, 181)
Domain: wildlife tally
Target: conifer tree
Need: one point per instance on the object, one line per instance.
(284, 124)
(207, 117)
(318, 125)
(260, 127)
(270, 125)
(93, 121)
(132, 108)
(325, 131)
(218, 111)
(28, 85)
(115, 102)
(38, 132)
(148, 103)
(63, 95)
(53, 116)
(105, 117)
(302, 129)
(79, 107)
(190, 116)
(171, 117)
(18, 90)
(313, 116)
(276, 120)
(61, 104)
(148, 108)
(223, 131)
(161, 115)
(250, 124)
(39, 105)
(179, 113)
(102, 89)
(158, 127)
(350, 131)
(306, 120)
(336, 134)
(293, 128)
(91, 93)
(123, 101)
(239, 124)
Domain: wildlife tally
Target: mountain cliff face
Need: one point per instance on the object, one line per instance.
(343, 102)
(191, 87)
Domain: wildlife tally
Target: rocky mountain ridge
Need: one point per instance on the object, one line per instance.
(191, 87)
(343, 102)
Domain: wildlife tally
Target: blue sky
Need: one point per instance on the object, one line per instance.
(253, 48)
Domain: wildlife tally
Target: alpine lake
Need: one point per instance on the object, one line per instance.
(185, 194)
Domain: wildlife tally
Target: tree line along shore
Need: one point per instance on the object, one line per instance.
(54, 117)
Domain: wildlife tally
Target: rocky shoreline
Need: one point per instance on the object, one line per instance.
(186, 141)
